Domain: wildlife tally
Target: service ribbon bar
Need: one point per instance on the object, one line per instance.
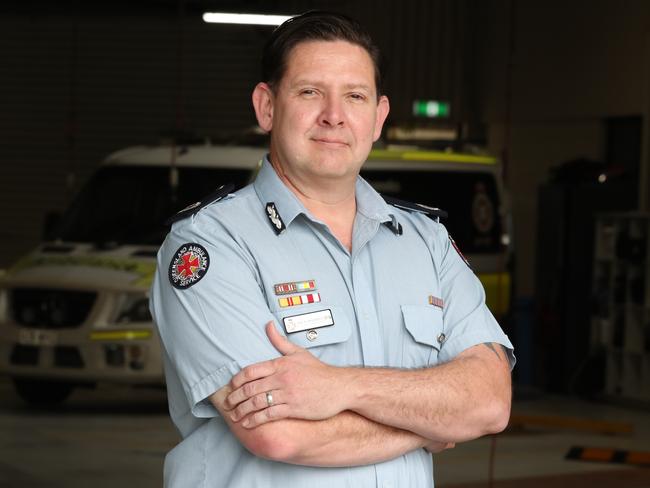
(436, 302)
(287, 288)
(299, 300)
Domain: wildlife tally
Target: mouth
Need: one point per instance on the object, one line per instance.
(330, 142)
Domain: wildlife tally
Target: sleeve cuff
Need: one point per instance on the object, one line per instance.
(198, 394)
(455, 346)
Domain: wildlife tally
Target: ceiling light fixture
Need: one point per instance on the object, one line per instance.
(256, 19)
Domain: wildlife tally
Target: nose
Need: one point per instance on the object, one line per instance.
(332, 114)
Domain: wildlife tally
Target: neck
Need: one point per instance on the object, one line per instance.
(332, 202)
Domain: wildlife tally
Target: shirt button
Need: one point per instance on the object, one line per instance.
(312, 335)
(441, 338)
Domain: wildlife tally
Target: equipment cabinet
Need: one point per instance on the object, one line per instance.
(620, 318)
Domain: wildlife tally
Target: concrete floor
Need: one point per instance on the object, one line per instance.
(533, 455)
(116, 436)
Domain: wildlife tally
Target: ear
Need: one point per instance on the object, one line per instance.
(263, 105)
(383, 107)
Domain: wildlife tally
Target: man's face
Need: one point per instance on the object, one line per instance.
(323, 114)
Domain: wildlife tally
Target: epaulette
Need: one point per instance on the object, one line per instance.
(434, 213)
(215, 196)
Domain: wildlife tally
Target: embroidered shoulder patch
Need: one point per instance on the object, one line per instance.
(189, 264)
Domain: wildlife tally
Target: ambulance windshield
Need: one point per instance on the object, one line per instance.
(470, 198)
(129, 204)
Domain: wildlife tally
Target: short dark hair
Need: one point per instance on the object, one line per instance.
(315, 25)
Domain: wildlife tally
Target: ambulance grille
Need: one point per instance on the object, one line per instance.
(24, 355)
(49, 308)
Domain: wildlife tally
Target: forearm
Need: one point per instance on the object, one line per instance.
(460, 400)
(457, 401)
(347, 439)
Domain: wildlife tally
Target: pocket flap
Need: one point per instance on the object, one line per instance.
(424, 323)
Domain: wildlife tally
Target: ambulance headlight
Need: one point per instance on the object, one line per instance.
(133, 308)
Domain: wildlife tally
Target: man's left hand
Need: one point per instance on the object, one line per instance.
(301, 387)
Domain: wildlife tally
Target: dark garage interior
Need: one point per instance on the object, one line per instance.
(557, 92)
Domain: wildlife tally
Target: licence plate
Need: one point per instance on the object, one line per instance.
(37, 337)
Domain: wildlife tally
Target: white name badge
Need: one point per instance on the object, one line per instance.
(307, 321)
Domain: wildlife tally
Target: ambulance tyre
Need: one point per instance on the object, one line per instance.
(42, 393)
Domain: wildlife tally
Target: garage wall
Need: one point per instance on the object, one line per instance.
(75, 90)
(570, 65)
(80, 80)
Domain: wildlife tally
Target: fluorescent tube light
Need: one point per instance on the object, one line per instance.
(257, 19)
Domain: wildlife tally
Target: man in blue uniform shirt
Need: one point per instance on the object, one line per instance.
(315, 336)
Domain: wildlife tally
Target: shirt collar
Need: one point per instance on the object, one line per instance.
(371, 204)
(270, 189)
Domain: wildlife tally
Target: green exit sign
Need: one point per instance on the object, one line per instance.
(430, 108)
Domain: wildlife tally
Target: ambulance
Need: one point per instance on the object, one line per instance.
(74, 312)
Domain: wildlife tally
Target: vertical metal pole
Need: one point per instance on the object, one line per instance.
(72, 119)
(179, 119)
(512, 26)
(644, 167)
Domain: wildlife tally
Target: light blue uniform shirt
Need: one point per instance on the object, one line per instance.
(378, 297)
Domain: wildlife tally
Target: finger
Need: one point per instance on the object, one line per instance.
(251, 373)
(276, 412)
(254, 404)
(281, 343)
(248, 391)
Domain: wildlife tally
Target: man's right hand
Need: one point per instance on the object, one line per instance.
(303, 387)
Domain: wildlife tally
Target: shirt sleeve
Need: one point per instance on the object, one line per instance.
(466, 318)
(214, 327)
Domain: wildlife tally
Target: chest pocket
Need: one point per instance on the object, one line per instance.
(315, 337)
(424, 337)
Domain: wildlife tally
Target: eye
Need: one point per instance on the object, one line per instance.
(308, 92)
(357, 97)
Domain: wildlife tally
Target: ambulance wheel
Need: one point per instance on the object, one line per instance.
(42, 393)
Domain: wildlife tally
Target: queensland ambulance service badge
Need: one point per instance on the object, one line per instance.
(188, 266)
